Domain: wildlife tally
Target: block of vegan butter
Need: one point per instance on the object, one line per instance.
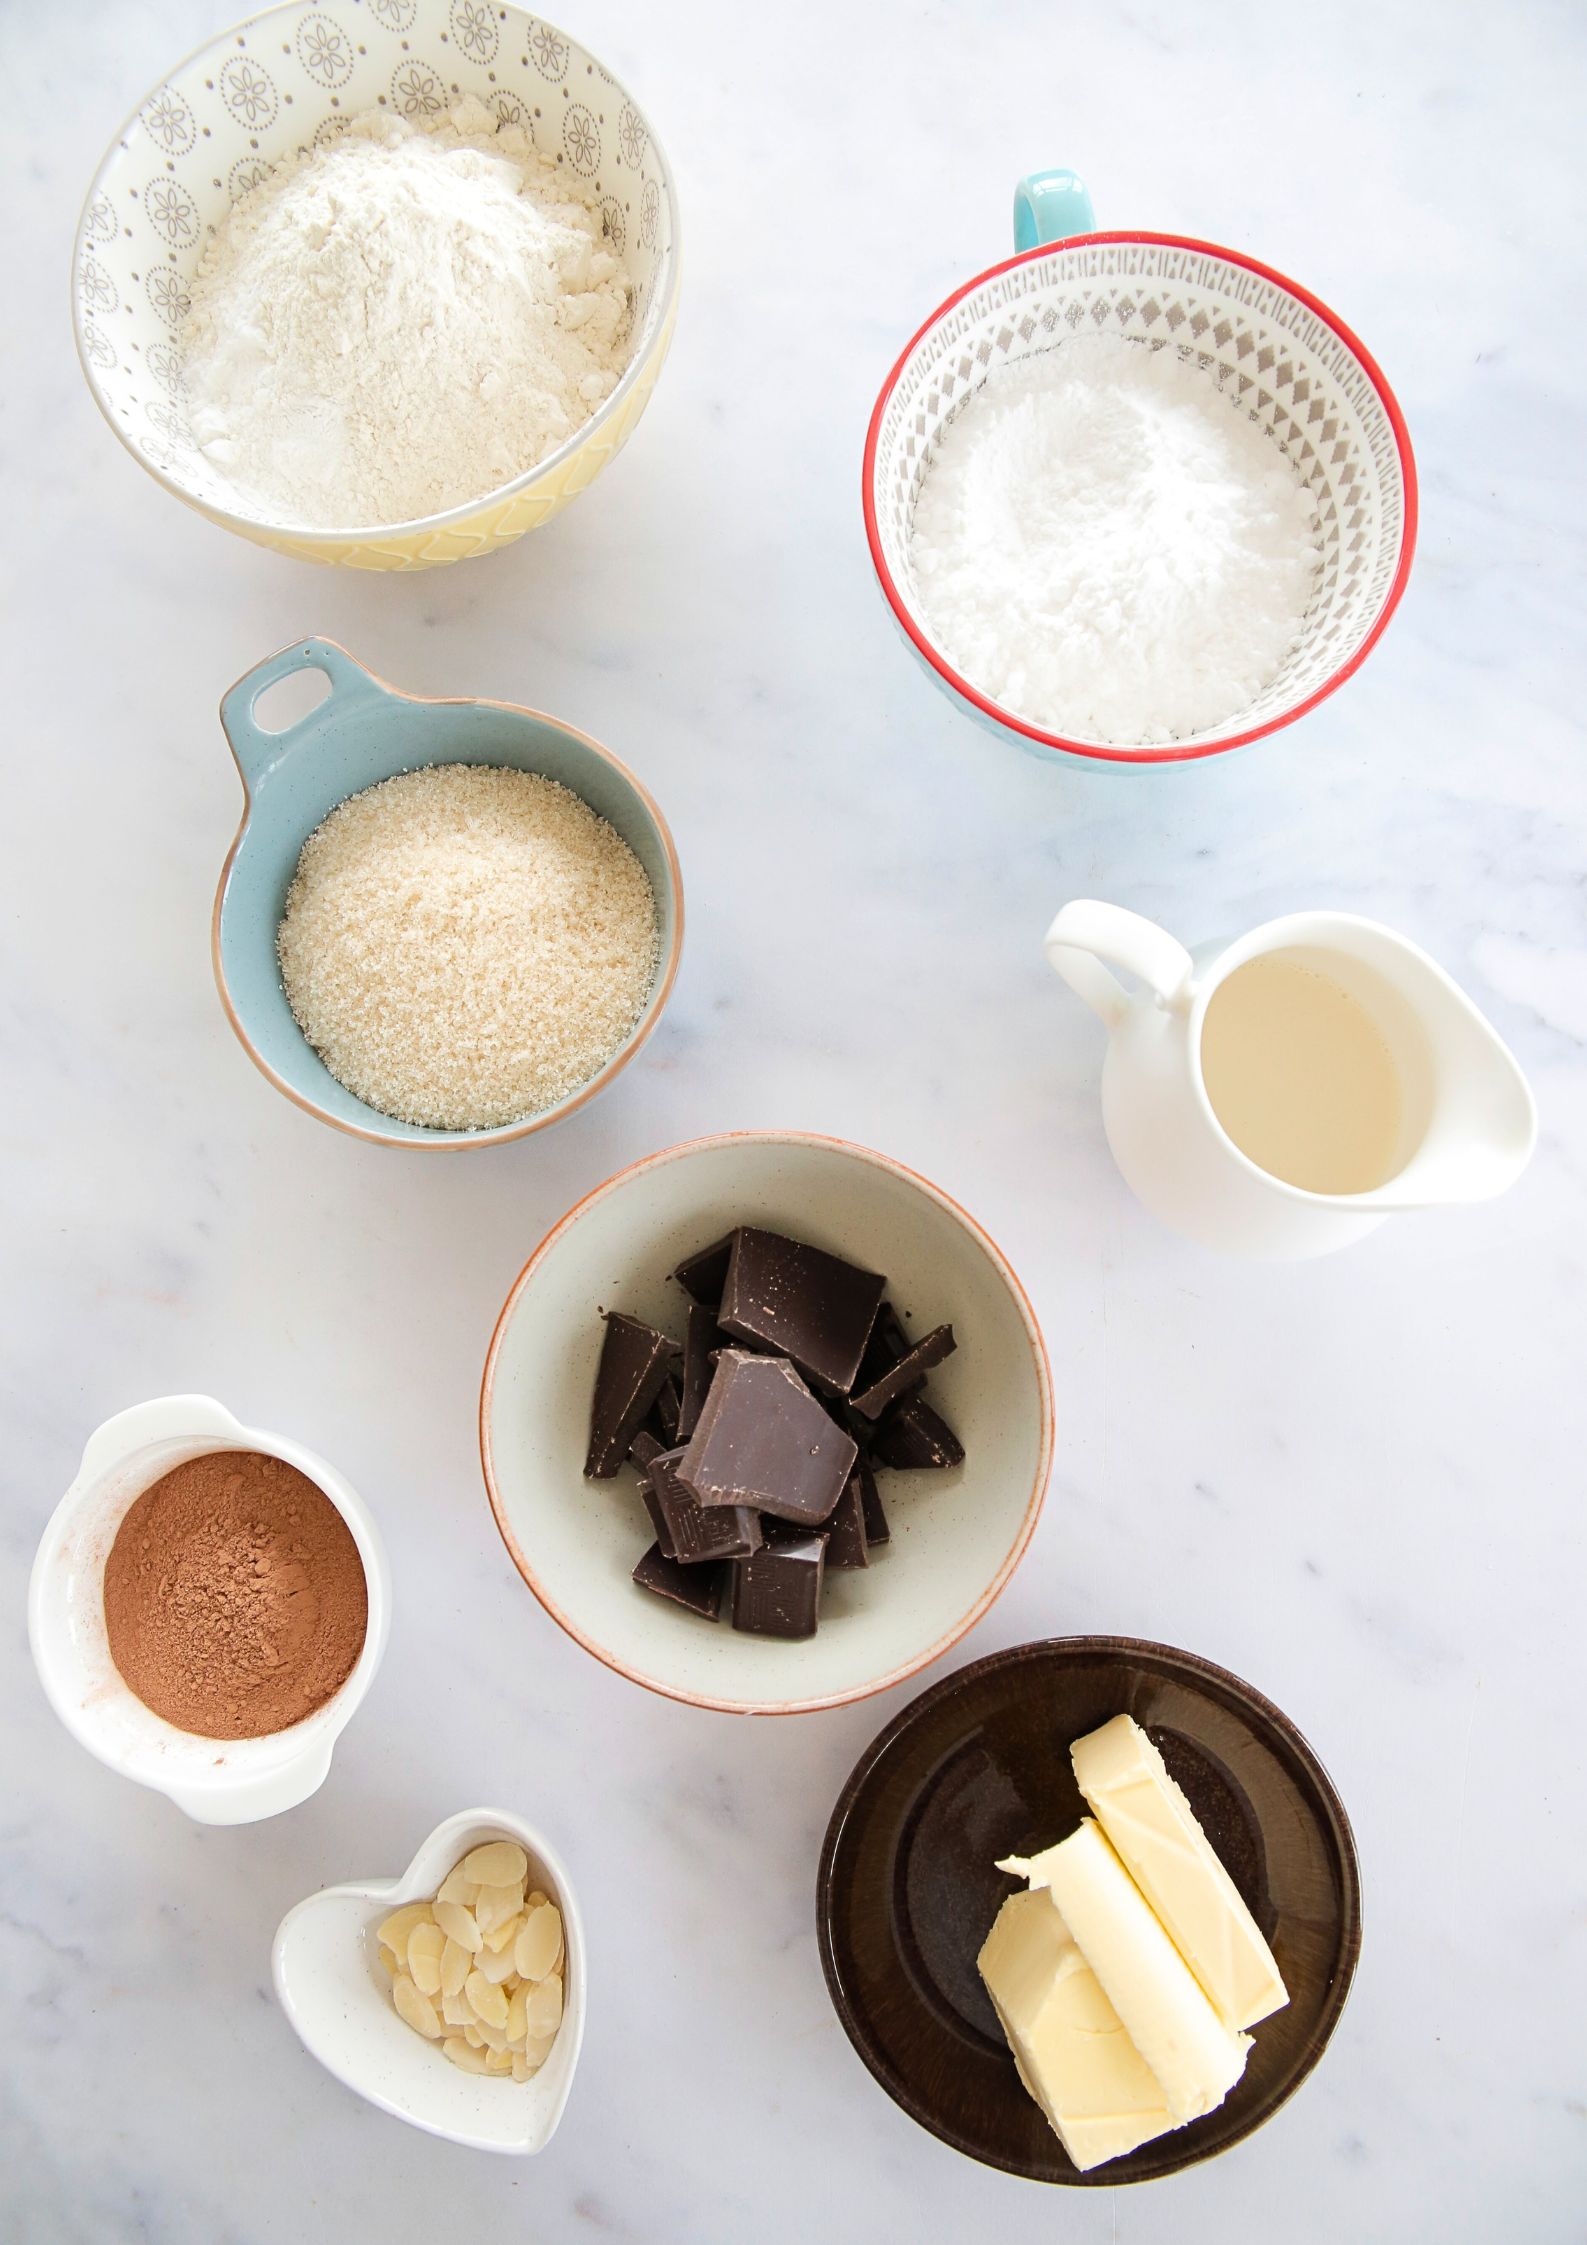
(1155, 1833)
(1196, 2058)
(1098, 2093)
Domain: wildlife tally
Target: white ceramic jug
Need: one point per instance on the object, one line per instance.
(1466, 1125)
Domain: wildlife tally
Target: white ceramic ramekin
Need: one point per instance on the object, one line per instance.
(332, 1988)
(215, 1781)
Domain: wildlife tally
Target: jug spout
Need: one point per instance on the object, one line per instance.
(1472, 1121)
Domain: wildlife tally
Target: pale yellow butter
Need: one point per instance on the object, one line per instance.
(1155, 1833)
(1097, 2091)
(1196, 2058)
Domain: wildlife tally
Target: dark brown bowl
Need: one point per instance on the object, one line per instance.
(977, 1768)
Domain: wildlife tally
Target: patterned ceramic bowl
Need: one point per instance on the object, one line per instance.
(291, 80)
(1271, 348)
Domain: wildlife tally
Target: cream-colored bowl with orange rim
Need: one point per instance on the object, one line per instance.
(957, 1535)
(288, 81)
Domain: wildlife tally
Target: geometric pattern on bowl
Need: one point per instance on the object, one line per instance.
(292, 80)
(1277, 357)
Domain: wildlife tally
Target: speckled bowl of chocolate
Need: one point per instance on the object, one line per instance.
(766, 1422)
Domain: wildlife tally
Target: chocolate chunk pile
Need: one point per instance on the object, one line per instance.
(757, 1437)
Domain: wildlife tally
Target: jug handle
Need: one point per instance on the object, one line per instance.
(1088, 938)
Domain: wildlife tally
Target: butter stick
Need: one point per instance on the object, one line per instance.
(1196, 2058)
(1100, 2097)
(1155, 1833)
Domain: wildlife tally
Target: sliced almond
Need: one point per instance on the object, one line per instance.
(495, 1906)
(490, 2004)
(415, 2008)
(395, 1930)
(455, 1888)
(425, 1946)
(543, 2013)
(461, 2054)
(460, 1926)
(472, 2035)
(497, 1863)
(504, 1935)
(539, 1941)
(456, 2012)
(454, 1966)
(499, 2061)
(497, 1968)
(518, 2015)
(521, 2068)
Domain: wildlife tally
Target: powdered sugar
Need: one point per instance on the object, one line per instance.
(1109, 548)
(401, 322)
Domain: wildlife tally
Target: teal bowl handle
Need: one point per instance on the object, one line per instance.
(253, 746)
(1050, 206)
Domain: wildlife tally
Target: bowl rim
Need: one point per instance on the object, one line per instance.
(986, 1598)
(1168, 752)
(315, 534)
(1198, 1669)
(440, 1141)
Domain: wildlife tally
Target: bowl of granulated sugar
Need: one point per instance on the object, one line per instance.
(442, 923)
(380, 283)
(1134, 499)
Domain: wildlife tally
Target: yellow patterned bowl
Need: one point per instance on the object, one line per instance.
(289, 80)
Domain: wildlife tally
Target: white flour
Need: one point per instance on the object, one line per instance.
(1107, 547)
(401, 322)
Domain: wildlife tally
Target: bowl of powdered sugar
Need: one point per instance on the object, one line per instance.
(1136, 499)
(442, 923)
(379, 282)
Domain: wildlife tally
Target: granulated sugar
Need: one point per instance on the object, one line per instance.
(401, 322)
(466, 945)
(1110, 549)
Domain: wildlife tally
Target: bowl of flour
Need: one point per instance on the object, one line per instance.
(1134, 499)
(382, 285)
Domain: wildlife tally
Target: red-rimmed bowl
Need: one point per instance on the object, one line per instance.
(957, 1535)
(1276, 351)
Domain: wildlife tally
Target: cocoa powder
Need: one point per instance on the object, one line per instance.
(235, 1600)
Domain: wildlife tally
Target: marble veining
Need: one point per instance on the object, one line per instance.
(1356, 1482)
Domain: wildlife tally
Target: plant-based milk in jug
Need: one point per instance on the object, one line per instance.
(1301, 1078)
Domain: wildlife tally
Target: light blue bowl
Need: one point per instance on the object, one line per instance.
(363, 732)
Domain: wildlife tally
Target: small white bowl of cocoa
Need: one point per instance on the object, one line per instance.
(207, 1609)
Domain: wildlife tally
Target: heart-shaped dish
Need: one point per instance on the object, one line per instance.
(336, 1994)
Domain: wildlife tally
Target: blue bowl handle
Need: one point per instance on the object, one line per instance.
(1050, 206)
(254, 747)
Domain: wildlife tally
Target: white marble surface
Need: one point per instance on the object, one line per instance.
(1358, 1482)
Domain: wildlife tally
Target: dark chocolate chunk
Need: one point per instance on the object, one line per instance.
(668, 1408)
(845, 1529)
(698, 1588)
(888, 1342)
(704, 1275)
(635, 1359)
(777, 1591)
(876, 1528)
(908, 1375)
(689, 1531)
(658, 1520)
(700, 1343)
(643, 1448)
(811, 1306)
(763, 1440)
(912, 1435)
